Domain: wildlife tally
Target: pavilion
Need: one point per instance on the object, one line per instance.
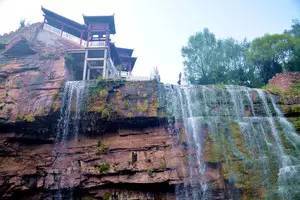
(100, 57)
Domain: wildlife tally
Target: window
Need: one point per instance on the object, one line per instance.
(96, 63)
(95, 37)
(96, 73)
(96, 53)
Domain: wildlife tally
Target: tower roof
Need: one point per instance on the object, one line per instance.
(128, 63)
(57, 20)
(124, 51)
(51, 14)
(110, 20)
(123, 57)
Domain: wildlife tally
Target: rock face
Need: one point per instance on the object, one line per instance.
(140, 164)
(287, 87)
(237, 144)
(123, 150)
(31, 73)
(124, 142)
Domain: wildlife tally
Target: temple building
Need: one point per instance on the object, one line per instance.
(99, 56)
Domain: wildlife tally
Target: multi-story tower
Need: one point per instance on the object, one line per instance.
(101, 57)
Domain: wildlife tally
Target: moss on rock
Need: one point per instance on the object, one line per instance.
(113, 99)
(212, 150)
(103, 168)
(26, 118)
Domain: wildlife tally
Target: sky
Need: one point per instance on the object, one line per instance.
(157, 29)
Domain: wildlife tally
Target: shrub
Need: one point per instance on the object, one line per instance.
(106, 196)
(49, 56)
(102, 148)
(150, 172)
(142, 107)
(103, 168)
(26, 118)
(106, 113)
(103, 93)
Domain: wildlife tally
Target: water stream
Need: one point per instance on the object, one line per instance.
(242, 133)
(67, 128)
(234, 132)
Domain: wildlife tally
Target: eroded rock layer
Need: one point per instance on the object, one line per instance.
(109, 139)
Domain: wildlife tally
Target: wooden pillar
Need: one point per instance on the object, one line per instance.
(88, 73)
(85, 65)
(104, 64)
(44, 22)
(88, 36)
(81, 34)
(107, 41)
(107, 55)
(107, 38)
(61, 30)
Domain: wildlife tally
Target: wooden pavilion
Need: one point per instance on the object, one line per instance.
(101, 56)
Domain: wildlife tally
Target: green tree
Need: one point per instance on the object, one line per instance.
(295, 29)
(271, 54)
(199, 57)
(208, 60)
(22, 23)
(294, 64)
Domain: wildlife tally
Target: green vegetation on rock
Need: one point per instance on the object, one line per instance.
(103, 168)
(49, 56)
(26, 118)
(102, 148)
(293, 91)
(142, 107)
(106, 196)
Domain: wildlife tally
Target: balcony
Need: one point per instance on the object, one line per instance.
(96, 44)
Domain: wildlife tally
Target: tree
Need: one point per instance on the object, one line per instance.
(294, 64)
(208, 60)
(199, 55)
(22, 23)
(295, 30)
(155, 74)
(271, 54)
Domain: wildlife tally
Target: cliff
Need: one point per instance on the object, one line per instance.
(287, 87)
(123, 148)
(114, 139)
(30, 78)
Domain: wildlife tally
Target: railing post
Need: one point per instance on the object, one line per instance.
(61, 30)
(81, 37)
(85, 65)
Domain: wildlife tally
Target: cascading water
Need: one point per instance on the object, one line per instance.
(68, 127)
(241, 133)
(72, 103)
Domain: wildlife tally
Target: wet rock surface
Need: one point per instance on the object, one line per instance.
(30, 81)
(123, 150)
(147, 158)
(287, 87)
(129, 144)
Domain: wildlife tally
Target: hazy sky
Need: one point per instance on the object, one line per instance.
(157, 29)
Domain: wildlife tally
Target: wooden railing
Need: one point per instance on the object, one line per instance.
(64, 35)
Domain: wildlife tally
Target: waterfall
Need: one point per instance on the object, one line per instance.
(72, 103)
(242, 134)
(67, 128)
